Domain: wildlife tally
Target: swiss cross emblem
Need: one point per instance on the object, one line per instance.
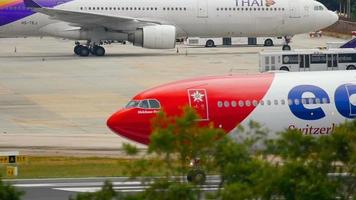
(198, 99)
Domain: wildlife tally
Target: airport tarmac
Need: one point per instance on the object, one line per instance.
(53, 102)
(59, 189)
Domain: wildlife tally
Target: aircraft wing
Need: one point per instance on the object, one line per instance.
(92, 19)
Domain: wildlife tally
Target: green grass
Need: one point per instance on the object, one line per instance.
(62, 167)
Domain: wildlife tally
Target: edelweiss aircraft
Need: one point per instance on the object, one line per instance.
(313, 102)
(157, 24)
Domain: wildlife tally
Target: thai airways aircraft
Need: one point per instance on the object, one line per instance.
(313, 102)
(157, 24)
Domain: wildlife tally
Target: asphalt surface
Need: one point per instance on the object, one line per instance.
(62, 189)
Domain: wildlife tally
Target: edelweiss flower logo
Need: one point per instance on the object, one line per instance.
(197, 96)
(270, 3)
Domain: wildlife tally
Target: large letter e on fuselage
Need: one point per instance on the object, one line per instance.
(298, 107)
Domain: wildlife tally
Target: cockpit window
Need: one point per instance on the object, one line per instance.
(132, 104)
(154, 104)
(318, 8)
(144, 104)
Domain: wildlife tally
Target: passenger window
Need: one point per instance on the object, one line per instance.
(248, 103)
(296, 102)
(226, 104)
(283, 102)
(269, 102)
(317, 101)
(154, 104)
(262, 102)
(241, 103)
(311, 101)
(255, 103)
(276, 102)
(234, 104)
(144, 104)
(290, 102)
(220, 104)
(304, 101)
(325, 101)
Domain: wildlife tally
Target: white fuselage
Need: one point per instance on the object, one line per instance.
(192, 18)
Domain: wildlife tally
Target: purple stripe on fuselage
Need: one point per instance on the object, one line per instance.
(19, 11)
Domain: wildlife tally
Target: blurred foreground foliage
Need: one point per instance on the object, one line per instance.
(252, 165)
(8, 192)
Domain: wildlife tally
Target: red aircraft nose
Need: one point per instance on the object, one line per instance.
(127, 125)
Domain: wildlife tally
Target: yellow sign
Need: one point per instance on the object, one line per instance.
(11, 171)
(21, 159)
(13, 159)
(4, 159)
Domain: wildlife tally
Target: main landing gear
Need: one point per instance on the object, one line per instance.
(85, 50)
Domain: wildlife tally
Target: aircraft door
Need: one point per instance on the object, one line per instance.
(294, 9)
(202, 8)
(198, 99)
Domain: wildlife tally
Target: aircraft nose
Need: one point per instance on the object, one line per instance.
(334, 18)
(122, 124)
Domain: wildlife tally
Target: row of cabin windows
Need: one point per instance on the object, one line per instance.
(290, 102)
(132, 8)
(247, 9)
(20, 8)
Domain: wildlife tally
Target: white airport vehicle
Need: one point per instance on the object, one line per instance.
(308, 60)
(213, 42)
(156, 24)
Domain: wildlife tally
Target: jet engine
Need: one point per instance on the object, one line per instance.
(155, 37)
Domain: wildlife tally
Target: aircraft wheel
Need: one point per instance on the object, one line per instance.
(286, 48)
(284, 69)
(351, 67)
(84, 51)
(269, 43)
(99, 51)
(196, 176)
(210, 43)
(77, 49)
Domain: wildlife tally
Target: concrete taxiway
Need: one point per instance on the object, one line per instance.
(53, 102)
(60, 189)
